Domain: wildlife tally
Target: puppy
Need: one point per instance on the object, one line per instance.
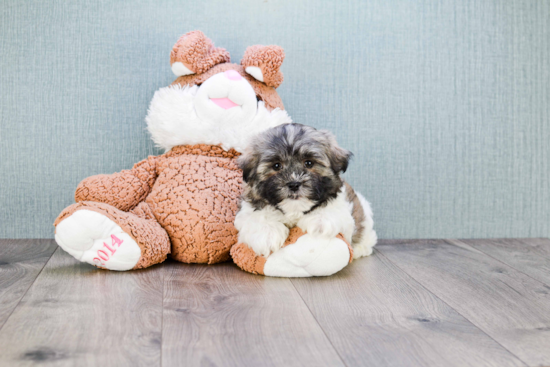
(292, 178)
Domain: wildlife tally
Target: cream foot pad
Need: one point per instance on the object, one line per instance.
(303, 255)
(94, 238)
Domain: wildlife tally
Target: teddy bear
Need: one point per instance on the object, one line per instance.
(183, 203)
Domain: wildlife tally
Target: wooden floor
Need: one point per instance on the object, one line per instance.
(413, 303)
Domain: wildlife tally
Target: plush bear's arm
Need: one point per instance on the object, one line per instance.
(123, 190)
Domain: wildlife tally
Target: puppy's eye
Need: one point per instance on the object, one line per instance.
(308, 164)
(277, 166)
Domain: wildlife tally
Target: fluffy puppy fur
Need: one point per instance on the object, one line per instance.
(292, 178)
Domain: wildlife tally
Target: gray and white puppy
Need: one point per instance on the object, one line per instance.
(292, 178)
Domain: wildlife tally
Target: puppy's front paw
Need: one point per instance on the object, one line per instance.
(264, 238)
(319, 226)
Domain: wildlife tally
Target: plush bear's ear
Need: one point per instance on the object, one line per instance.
(194, 53)
(263, 63)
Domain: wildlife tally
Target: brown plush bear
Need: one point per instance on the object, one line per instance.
(183, 202)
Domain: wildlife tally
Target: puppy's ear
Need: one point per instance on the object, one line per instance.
(339, 159)
(248, 162)
(338, 156)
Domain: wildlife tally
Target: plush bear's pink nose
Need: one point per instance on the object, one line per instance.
(233, 75)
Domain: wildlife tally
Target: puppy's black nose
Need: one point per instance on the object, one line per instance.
(294, 185)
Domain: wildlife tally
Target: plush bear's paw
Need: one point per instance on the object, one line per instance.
(302, 255)
(92, 237)
(310, 256)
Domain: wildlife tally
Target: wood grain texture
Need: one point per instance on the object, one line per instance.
(511, 307)
(376, 315)
(530, 255)
(221, 316)
(413, 303)
(20, 263)
(77, 315)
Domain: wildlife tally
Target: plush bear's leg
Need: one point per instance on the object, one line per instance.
(104, 236)
(302, 255)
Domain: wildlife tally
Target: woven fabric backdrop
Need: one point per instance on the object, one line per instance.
(445, 104)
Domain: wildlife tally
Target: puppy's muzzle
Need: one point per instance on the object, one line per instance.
(294, 185)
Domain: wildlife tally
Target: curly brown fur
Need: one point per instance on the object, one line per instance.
(198, 52)
(269, 59)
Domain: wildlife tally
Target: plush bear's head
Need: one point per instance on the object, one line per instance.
(213, 101)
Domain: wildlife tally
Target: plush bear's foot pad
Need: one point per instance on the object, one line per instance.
(92, 237)
(303, 255)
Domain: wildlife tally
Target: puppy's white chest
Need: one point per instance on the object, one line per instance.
(294, 210)
(291, 219)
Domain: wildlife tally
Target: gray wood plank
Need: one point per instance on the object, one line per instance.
(530, 256)
(221, 316)
(77, 315)
(511, 307)
(376, 315)
(20, 263)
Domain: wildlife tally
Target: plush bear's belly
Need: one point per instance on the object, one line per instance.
(195, 199)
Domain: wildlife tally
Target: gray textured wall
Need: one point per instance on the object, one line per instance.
(444, 103)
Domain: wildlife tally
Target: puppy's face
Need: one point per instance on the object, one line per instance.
(293, 162)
